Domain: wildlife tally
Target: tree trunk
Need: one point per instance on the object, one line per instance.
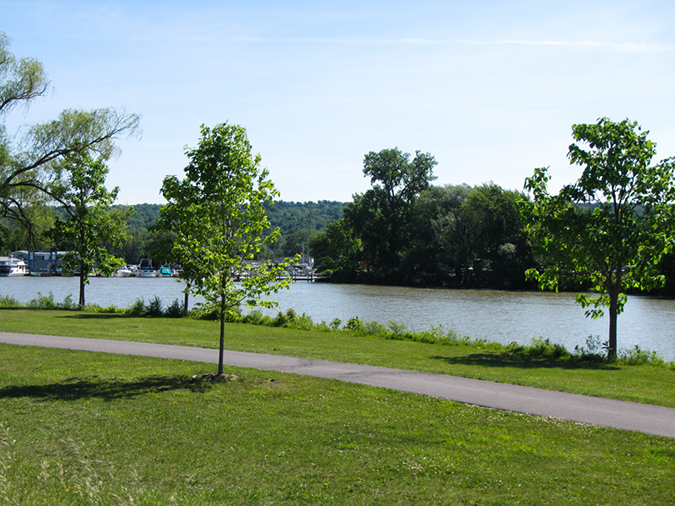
(222, 334)
(613, 304)
(82, 283)
(185, 305)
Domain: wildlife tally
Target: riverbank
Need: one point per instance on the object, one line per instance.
(651, 384)
(491, 315)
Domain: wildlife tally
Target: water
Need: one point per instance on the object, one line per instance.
(493, 315)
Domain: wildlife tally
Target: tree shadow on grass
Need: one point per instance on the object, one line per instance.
(100, 316)
(108, 389)
(521, 361)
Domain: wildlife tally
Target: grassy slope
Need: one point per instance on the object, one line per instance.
(648, 384)
(88, 428)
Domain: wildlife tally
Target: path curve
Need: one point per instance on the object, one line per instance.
(647, 418)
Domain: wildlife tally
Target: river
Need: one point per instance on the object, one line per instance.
(494, 315)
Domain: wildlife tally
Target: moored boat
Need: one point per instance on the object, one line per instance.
(13, 267)
(145, 269)
(123, 272)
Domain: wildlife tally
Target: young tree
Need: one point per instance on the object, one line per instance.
(613, 225)
(89, 222)
(30, 163)
(218, 216)
(380, 216)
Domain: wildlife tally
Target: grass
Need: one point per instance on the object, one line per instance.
(639, 383)
(89, 428)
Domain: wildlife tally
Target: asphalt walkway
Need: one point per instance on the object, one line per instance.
(656, 420)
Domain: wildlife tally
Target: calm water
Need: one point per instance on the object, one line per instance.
(494, 315)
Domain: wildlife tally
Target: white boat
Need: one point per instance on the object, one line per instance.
(145, 269)
(13, 267)
(123, 272)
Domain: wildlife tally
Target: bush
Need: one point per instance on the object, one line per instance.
(638, 356)
(175, 310)
(94, 308)
(355, 325)
(543, 348)
(256, 317)
(9, 301)
(47, 302)
(154, 307)
(137, 308)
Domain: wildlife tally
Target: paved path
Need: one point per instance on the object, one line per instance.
(646, 418)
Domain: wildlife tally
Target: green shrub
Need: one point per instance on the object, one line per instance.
(154, 307)
(137, 308)
(302, 322)
(355, 325)
(175, 310)
(638, 356)
(9, 301)
(543, 348)
(48, 302)
(95, 308)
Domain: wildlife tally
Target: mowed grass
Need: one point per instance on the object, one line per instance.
(90, 428)
(645, 383)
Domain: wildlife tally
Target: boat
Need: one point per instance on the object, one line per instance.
(145, 269)
(165, 272)
(123, 272)
(13, 267)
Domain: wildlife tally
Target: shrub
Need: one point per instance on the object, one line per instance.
(137, 308)
(397, 328)
(302, 322)
(95, 308)
(284, 319)
(175, 310)
(154, 307)
(638, 356)
(543, 348)
(9, 301)
(355, 325)
(47, 302)
(256, 317)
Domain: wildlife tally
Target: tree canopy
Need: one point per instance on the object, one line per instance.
(381, 215)
(30, 164)
(613, 225)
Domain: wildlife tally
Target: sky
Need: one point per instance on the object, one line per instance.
(490, 88)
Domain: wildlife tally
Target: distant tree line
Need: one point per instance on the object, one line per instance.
(297, 221)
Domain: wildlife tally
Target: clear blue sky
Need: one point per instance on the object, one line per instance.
(490, 88)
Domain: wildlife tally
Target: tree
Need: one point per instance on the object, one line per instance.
(337, 251)
(440, 247)
(380, 216)
(217, 213)
(498, 240)
(30, 164)
(613, 225)
(89, 222)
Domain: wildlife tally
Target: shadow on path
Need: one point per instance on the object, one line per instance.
(107, 389)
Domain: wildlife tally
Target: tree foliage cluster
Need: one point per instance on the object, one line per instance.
(407, 231)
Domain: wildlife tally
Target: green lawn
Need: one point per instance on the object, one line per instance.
(646, 383)
(89, 428)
